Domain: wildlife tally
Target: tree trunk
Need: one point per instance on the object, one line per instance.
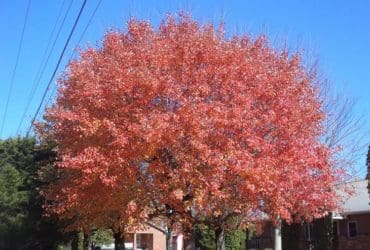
(220, 239)
(247, 238)
(277, 237)
(169, 239)
(290, 235)
(76, 241)
(189, 242)
(119, 240)
(86, 241)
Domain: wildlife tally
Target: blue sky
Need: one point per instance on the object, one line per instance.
(336, 33)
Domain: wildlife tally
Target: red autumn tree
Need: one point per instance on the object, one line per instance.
(211, 127)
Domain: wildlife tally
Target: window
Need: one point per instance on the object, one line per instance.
(144, 241)
(352, 229)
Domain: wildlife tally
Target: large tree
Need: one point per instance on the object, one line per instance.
(213, 128)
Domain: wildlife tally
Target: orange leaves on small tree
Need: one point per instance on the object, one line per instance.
(183, 118)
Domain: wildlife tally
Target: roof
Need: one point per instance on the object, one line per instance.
(156, 227)
(359, 201)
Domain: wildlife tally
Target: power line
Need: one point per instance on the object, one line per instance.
(15, 68)
(44, 61)
(79, 41)
(86, 27)
(57, 66)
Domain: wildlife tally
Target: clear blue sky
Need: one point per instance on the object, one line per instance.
(337, 33)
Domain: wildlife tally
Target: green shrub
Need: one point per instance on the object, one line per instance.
(206, 238)
(235, 240)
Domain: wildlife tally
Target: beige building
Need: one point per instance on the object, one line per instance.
(152, 238)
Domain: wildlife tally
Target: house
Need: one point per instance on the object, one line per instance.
(151, 237)
(351, 228)
(351, 225)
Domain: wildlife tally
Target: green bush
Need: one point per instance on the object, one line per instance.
(235, 240)
(206, 238)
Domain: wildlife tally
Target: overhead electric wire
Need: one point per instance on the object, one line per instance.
(86, 27)
(44, 61)
(78, 43)
(57, 66)
(15, 68)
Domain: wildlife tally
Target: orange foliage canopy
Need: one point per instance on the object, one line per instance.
(182, 116)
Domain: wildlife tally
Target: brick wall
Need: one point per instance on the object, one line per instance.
(362, 240)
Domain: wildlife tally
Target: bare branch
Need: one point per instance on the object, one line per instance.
(344, 129)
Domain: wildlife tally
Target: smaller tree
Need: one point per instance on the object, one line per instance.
(20, 200)
(12, 207)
